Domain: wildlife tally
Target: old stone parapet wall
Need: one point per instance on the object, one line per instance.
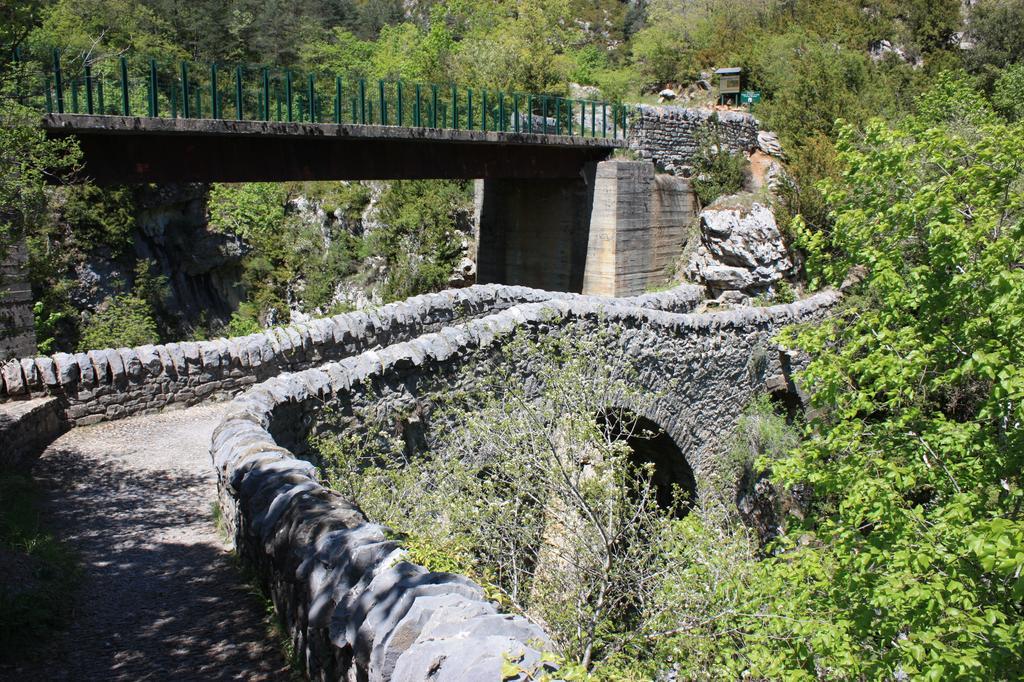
(116, 382)
(26, 428)
(356, 608)
(670, 135)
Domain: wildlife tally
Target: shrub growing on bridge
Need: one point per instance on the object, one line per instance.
(527, 484)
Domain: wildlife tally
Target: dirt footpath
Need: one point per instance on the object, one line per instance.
(161, 597)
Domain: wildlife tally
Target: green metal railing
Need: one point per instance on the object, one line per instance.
(148, 87)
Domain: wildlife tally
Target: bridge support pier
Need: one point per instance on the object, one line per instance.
(615, 230)
(534, 232)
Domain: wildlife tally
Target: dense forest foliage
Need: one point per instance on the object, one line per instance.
(815, 62)
(902, 123)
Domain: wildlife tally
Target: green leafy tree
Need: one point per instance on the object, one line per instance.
(1008, 94)
(27, 162)
(419, 240)
(912, 565)
(996, 27)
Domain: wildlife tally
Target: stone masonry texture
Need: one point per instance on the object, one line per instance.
(112, 383)
(670, 135)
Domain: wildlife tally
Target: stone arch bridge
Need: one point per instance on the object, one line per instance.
(354, 605)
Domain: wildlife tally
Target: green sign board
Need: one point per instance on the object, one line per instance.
(750, 97)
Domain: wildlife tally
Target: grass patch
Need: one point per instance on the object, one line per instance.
(39, 573)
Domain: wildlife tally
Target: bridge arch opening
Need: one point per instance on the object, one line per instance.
(675, 486)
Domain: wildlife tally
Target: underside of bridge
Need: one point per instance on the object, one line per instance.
(553, 212)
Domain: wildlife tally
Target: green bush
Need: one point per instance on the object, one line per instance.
(120, 321)
(419, 238)
(716, 170)
(1008, 94)
(506, 473)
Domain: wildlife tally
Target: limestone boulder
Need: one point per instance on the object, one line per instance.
(741, 248)
(769, 143)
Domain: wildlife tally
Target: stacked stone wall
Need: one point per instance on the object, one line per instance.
(111, 383)
(26, 427)
(17, 326)
(670, 135)
(355, 606)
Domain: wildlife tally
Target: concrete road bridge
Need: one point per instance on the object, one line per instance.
(554, 210)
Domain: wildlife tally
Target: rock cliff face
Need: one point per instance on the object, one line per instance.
(203, 267)
(741, 249)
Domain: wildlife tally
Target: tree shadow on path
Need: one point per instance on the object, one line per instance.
(160, 598)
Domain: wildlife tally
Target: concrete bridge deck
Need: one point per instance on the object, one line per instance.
(126, 149)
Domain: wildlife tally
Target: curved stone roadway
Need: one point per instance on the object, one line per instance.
(161, 597)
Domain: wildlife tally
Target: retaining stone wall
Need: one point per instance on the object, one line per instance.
(669, 135)
(17, 326)
(117, 382)
(26, 427)
(355, 607)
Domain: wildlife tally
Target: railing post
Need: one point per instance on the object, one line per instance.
(604, 119)
(125, 101)
(503, 126)
(58, 81)
(544, 113)
(199, 102)
(49, 95)
(583, 118)
(338, 99)
(569, 119)
(593, 119)
(558, 116)
(184, 90)
(214, 99)
(362, 101)
(398, 109)
(515, 106)
(529, 113)
(416, 112)
(153, 110)
(239, 105)
(354, 112)
(383, 103)
(311, 96)
(88, 90)
(469, 108)
(615, 122)
(99, 93)
(483, 110)
(433, 108)
(266, 94)
(288, 94)
(455, 108)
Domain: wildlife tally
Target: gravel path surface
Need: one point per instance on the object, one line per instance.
(161, 598)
